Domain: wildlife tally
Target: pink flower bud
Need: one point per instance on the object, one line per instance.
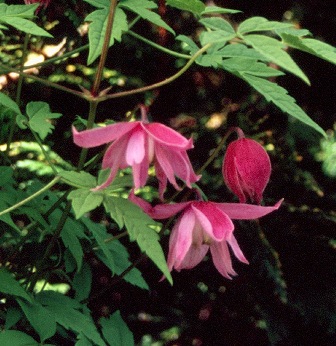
(246, 168)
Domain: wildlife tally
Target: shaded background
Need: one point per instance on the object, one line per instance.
(287, 295)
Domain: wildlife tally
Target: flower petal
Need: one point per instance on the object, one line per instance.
(246, 211)
(135, 151)
(236, 249)
(101, 135)
(167, 136)
(222, 259)
(214, 221)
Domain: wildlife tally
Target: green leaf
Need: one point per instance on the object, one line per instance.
(118, 182)
(249, 66)
(194, 6)
(311, 46)
(9, 285)
(138, 225)
(116, 331)
(219, 10)
(16, 338)
(217, 23)
(85, 200)
(23, 11)
(272, 49)
(40, 318)
(6, 174)
(67, 313)
(279, 96)
(26, 26)
(238, 50)
(260, 24)
(218, 36)
(82, 282)
(143, 9)
(82, 340)
(97, 29)
(13, 316)
(9, 103)
(39, 115)
(121, 263)
(79, 179)
(100, 234)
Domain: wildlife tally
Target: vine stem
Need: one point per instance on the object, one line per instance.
(31, 197)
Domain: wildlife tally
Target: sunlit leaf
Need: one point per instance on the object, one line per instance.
(194, 6)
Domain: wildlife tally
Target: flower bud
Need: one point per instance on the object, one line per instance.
(246, 169)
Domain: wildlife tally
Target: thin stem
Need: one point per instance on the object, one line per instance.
(108, 240)
(157, 46)
(159, 84)
(31, 197)
(18, 92)
(106, 44)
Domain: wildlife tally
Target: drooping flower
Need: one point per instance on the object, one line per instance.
(138, 144)
(43, 3)
(246, 168)
(203, 226)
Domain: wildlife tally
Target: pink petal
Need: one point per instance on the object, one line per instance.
(246, 211)
(102, 135)
(236, 249)
(135, 151)
(215, 222)
(167, 136)
(140, 173)
(162, 178)
(180, 239)
(221, 259)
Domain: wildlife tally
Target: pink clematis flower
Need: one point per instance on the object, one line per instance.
(137, 144)
(203, 226)
(246, 168)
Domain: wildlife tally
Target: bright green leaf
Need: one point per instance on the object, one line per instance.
(79, 179)
(26, 26)
(249, 66)
(218, 10)
(40, 318)
(194, 6)
(217, 23)
(260, 24)
(218, 36)
(238, 50)
(273, 50)
(39, 118)
(9, 285)
(84, 200)
(138, 225)
(116, 331)
(9, 103)
(279, 96)
(97, 30)
(143, 9)
(16, 338)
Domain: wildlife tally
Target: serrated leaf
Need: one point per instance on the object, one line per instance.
(26, 26)
(67, 313)
(83, 340)
(309, 45)
(118, 182)
(279, 96)
(116, 331)
(14, 337)
(84, 200)
(79, 179)
(188, 43)
(97, 30)
(218, 36)
(143, 9)
(138, 227)
(193, 6)
(23, 11)
(217, 23)
(238, 50)
(219, 10)
(9, 103)
(98, 3)
(100, 234)
(260, 24)
(272, 49)
(249, 66)
(9, 285)
(40, 318)
(39, 115)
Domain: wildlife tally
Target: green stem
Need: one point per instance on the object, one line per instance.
(106, 44)
(18, 92)
(157, 46)
(31, 197)
(159, 84)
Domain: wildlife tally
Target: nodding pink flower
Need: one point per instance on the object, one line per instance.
(246, 168)
(43, 3)
(203, 226)
(137, 144)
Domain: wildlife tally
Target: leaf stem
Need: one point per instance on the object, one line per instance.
(31, 197)
(106, 43)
